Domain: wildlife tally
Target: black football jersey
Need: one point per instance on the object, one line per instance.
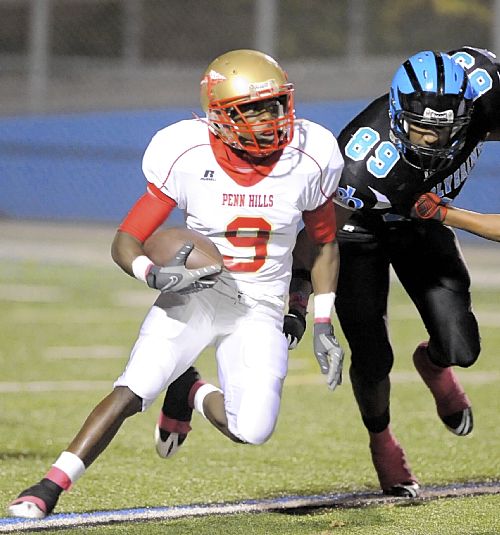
(377, 180)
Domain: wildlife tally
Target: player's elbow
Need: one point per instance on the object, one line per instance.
(117, 248)
(124, 249)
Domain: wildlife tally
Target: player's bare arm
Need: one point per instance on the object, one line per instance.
(327, 350)
(484, 225)
(306, 255)
(324, 270)
(125, 249)
(430, 206)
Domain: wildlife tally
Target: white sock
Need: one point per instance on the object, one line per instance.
(71, 465)
(201, 394)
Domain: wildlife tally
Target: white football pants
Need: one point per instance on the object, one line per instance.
(250, 348)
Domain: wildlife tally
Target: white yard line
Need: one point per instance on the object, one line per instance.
(54, 386)
(85, 352)
(284, 503)
(68, 243)
(32, 293)
(107, 316)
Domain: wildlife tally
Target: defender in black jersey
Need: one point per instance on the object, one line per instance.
(423, 137)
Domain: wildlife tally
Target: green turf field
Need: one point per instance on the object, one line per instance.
(66, 332)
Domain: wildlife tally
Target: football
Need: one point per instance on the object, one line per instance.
(163, 245)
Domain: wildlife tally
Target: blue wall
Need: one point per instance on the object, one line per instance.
(87, 167)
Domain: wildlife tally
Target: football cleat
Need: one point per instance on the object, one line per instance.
(37, 501)
(453, 406)
(173, 424)
(460, 423)
(394, 474)
(407, 489)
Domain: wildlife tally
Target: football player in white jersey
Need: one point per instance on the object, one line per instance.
(246, 176)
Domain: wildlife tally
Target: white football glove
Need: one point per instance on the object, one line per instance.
(329, 354)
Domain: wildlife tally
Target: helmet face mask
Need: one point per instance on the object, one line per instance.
(249, 102)
(256, 126)
(432, 93)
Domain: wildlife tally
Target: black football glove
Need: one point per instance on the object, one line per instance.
(294, 326)
(175, 277)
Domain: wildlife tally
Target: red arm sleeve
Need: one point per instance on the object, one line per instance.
(321, 226)
(148, 213)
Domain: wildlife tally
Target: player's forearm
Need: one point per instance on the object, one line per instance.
(324, 272)
(124, 250)
(485, 225)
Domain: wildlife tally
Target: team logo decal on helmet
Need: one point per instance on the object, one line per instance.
(210, 79)
(430, 90)
(248, 101)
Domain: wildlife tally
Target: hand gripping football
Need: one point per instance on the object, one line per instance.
(163, 245)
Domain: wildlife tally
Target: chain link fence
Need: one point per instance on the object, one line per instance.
(84, 84)
(67, 55)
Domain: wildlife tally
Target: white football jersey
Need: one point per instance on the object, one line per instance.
(254, 227)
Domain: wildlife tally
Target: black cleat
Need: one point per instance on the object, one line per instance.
(406, 489)
(460, 423)
(37, 501)
(175, 416)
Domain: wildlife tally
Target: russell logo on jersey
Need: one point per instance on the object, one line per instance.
(209, 175)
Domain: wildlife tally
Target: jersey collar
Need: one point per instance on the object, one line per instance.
(244, 171)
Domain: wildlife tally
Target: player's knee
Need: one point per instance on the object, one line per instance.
(372, 367)
(256, 428)
(463, 354)
(125, 401)
(254, 432)
(467, 358)
(256, 422)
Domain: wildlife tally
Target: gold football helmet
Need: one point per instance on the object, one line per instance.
(248, 101)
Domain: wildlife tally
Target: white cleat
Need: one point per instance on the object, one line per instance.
(26, 510)
(168, 447)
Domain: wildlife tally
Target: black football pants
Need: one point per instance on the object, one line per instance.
(428, 262)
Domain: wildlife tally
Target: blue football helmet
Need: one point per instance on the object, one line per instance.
(431, 91)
